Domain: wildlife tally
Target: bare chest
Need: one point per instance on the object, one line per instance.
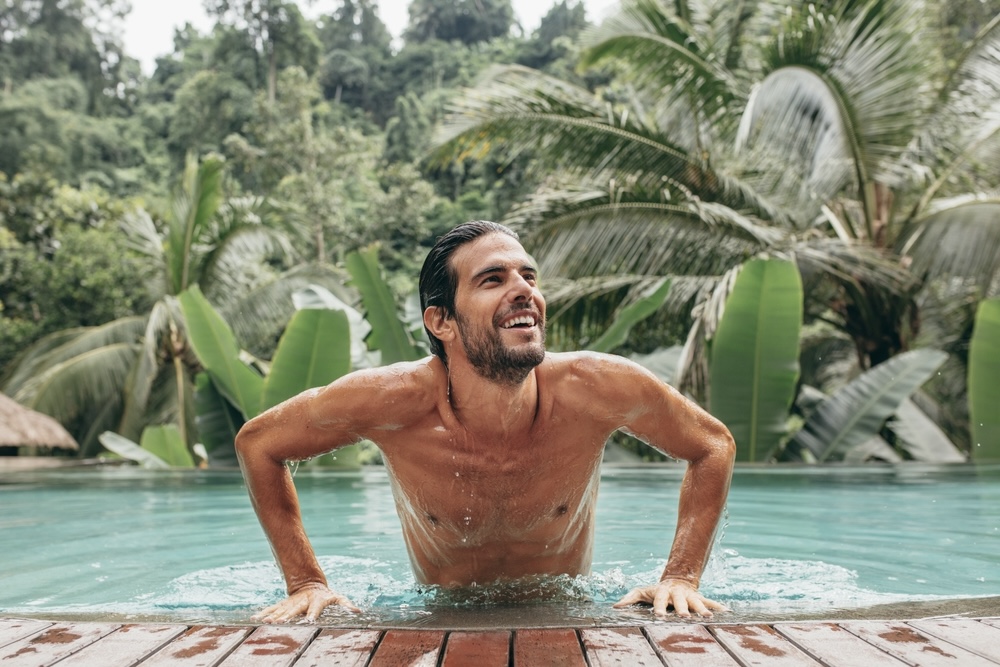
(481, 490)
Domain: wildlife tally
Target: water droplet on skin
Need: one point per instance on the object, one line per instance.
(457, 474)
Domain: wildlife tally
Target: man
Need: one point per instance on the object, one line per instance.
(493, 446)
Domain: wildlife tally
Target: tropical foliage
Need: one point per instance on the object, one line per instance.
(768, 203)
(829, 134)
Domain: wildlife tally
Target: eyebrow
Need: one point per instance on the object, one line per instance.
(500, 268)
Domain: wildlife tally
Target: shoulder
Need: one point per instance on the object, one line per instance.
(604, 382)
(588, 366)
(387, 395)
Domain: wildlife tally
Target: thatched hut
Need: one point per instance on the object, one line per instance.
(23, 427)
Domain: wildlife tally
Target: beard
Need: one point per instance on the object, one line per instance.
(495, 361)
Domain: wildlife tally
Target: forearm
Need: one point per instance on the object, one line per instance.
(702, 500)
(273, 496)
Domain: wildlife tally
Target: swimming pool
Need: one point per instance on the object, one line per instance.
(798, 542)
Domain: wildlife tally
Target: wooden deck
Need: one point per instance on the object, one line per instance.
(939, 641)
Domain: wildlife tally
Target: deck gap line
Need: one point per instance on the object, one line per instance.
(815, 656)
(246, 635)
(936, 634)
(711, 630)
(443, 648)
(583, 647)
(897, 656)
(378, 642)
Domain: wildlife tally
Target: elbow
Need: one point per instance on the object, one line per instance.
(245, 442)
(725, 447)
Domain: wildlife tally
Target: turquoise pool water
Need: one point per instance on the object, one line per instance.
(797, 542)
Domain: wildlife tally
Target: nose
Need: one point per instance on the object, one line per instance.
(521, 289)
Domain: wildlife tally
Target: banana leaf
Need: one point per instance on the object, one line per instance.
(631, 315)
(317, 296)
(857, 412)
(166, 443)
(921, 438)
(127, 449)
(217, 420)
(389, 334)
(754, 361)
(984, 382)
(314, 351)
(219, 353)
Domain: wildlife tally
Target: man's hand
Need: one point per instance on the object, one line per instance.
(676, 593)
(311, 601)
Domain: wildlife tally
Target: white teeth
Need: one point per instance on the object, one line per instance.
(524, 319)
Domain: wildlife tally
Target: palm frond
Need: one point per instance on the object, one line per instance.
(662, 51)
(63, 346)
(960, 238)
(964, 131)
(239, 261)
(259, 316)
(82, 383)
(844, 89)
(641, 238)
(155, 350)
(193, 208)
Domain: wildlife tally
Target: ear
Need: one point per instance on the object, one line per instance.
(442, 327)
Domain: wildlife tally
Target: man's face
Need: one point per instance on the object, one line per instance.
(498, 309)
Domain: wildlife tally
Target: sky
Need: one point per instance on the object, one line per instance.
(149, 28)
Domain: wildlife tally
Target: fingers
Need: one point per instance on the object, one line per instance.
(635, 596)
(682, 599)
(309, 604)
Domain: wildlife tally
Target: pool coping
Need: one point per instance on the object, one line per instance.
(948, 640)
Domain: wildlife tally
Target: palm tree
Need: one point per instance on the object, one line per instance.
(828, 133)
(138, 371)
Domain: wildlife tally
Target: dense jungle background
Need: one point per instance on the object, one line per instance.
(789, 210)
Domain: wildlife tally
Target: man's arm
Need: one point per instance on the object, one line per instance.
(665, 419)
(302, 427)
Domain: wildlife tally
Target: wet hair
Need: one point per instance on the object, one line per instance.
(438, 280)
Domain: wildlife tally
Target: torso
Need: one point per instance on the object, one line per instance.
(480, 509)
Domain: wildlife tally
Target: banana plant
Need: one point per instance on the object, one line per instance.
(984, 382)
(629, 316)
(754, 364)
(389, 334)
(857, 412)
(313, 351)
(161, 447)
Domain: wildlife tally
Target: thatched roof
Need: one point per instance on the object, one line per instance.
(20, 426)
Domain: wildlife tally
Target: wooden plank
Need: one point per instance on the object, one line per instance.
(200, 646)
(482, 649)
(272, 646)
(618, 646)
(760, 645)
(548, 648)
(13, 629)
(684, 645)
(980, 638)
(832, 644)
(125, 646)
(53, 643)
(340, 648)
(414, 648)
(906, 643)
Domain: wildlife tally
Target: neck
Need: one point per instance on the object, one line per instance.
(488, 407)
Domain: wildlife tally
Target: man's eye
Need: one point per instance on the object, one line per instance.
(492, 279)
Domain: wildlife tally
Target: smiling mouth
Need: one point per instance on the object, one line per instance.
(520, 322)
